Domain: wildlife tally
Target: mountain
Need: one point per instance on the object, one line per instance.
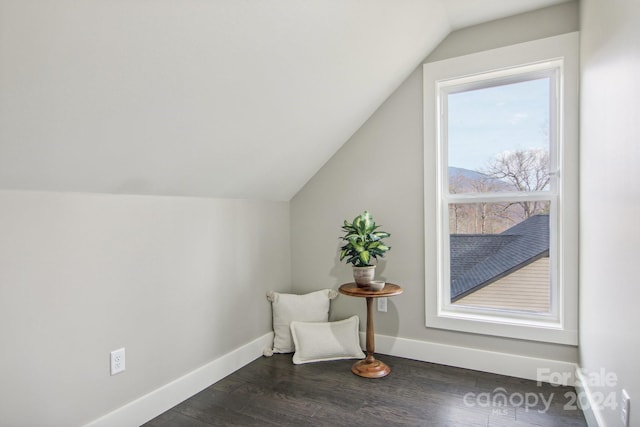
(467, 173)
(469, 181)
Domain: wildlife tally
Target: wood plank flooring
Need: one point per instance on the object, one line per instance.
(274, 392)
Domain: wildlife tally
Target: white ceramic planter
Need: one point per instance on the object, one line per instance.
(364, 275)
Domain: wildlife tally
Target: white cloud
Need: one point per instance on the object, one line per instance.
(518, 117)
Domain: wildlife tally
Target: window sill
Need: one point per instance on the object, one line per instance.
(540, 330)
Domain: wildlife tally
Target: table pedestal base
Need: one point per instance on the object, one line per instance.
(370, 368)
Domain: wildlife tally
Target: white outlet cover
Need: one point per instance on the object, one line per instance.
(117, 361)
(382, 304)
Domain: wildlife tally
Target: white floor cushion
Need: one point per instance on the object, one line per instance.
(311, 307)
(321, 341)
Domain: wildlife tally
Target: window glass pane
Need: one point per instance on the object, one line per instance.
(498, 138)
(499, 256)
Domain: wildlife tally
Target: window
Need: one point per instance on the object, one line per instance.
(500, 132)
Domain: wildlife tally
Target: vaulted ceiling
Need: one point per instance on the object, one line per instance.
(219, 98)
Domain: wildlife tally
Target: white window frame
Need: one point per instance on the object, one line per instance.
(556, 56)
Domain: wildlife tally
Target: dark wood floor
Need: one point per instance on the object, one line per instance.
(273, 391)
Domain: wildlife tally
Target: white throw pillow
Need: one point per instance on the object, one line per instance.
(311, 307)
(321, 341)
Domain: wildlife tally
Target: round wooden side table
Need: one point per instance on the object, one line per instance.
(370, 367)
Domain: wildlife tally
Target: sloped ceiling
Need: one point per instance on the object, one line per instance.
(220, 98)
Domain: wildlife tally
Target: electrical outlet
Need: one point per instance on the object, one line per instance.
(117, 361)
(382, 304)
(626, 403)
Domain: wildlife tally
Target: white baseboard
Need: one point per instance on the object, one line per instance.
(591, 411)
(469, 358)
(160, 400)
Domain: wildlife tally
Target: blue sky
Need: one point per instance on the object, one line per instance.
(485, 122)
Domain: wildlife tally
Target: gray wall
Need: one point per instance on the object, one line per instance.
(176, 281)
(381, 169)
(610, 197)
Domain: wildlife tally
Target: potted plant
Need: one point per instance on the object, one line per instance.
(363, 245)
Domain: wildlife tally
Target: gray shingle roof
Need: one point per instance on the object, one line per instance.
(480, 259)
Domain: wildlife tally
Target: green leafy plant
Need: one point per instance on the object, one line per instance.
(364, 242)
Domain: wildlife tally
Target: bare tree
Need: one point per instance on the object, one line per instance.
(525, 170)
(457, 212)
(477, 218)
(485, 211)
